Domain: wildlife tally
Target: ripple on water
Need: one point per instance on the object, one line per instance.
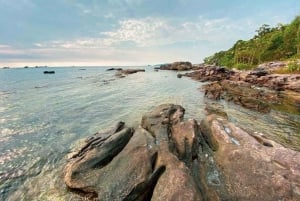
(10, 154)
(51, 119)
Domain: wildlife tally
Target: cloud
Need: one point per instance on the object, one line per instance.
(6, 50)
(149, 32)
(139, 41)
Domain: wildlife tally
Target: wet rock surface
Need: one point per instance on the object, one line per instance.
(169, 158)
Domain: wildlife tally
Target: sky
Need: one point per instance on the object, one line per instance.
(129, 32)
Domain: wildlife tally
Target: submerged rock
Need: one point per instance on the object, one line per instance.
(111, 69)
(168, 158)
(123, 73)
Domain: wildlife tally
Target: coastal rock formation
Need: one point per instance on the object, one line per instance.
(178, 66)
(242, 93)
(259, 89)
(111, 69)
(149, 164)
(123, 72)
(211, 73)
(169, 158)
(250, 166)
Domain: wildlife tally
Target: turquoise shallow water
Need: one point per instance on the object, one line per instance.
(43, 116)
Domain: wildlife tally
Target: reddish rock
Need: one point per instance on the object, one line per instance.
(258, 90)
(251, 166)
(170, 159)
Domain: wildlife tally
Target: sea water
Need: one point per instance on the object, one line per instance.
(44, 116)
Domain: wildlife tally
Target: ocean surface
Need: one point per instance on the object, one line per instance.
(43, 117)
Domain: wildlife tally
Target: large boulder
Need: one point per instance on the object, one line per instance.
(251, 166)
(151, 163)
(169, 158)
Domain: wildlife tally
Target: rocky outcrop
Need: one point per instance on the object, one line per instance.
(178, 66)
(124, 72)
(48, 72)
(250, 166)
(151, 163)
(244, 94)
(272, 66)
(131, 71)
(211, 73)
(111, 69)
(258, 90)
(167, 158)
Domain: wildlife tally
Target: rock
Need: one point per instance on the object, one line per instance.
(178, 66)
(119, 75)
(179, 75)
(175, 138)
(131, 71)
(251, 166)
(49, 72)
(259, 72)
(168, 158)
(213, 90)
(272, 66)
(259, 89)
(247, 95)
(215, 108)
(111, 69)
(210, 73)
(97, 153)
(123, 73)
(150, 164)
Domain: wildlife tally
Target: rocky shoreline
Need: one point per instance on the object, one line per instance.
(170, 158)
(260, 89)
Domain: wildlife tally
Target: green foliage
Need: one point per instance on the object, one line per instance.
(294, 66)
(278, 43)
(241, 66)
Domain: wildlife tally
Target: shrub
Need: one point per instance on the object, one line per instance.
(294, 66)
(241, 66)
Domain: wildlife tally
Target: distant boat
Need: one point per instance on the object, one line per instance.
(5, 67)
(49, 72)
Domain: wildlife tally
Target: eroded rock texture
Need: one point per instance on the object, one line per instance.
(169, 159)
(259, 89)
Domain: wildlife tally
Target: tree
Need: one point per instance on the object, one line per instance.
(277, 43)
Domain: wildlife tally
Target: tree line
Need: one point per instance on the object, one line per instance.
(269, 44)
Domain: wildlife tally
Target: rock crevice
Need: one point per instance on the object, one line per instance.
(169, 158)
